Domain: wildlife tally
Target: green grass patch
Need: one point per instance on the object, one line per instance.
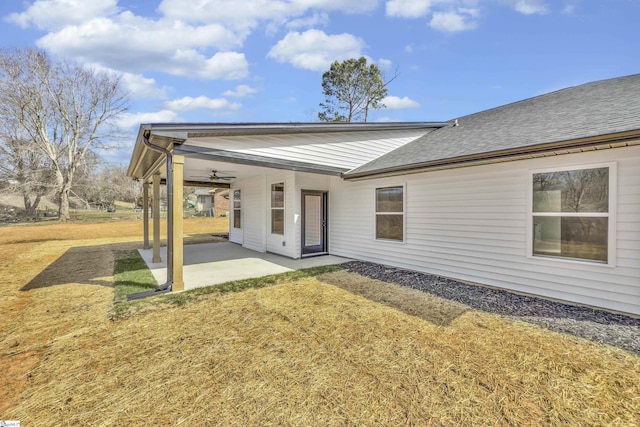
(132, 275)
(242, 285)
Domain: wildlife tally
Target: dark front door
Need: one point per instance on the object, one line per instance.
(314, 222)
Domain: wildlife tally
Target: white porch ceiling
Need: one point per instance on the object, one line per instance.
(199, 170)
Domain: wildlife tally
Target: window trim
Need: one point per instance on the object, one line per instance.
(234, 209)
(283, 208)
(611, 214)
(404, 213)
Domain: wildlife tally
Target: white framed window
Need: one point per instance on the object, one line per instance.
(390, 213)
(572, 213)
(277, 208)
(237, 208)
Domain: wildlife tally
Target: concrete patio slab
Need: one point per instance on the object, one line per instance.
(207, 264)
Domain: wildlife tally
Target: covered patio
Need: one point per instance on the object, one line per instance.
(207, 264)
(280, 175)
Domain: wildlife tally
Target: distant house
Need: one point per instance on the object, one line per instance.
(541, 196)
(212, 202)
(221, 202)
(204, 200)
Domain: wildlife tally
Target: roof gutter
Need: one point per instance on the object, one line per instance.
(482, 158)
(183, 130)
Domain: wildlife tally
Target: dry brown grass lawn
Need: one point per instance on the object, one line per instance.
(317, 351)
(117, 231)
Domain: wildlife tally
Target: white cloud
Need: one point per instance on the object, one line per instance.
(222, 65)
(131, 120)
(315, 50)
(137, 85)
(396, 103)
(529, 7)
(249, 14)
(384, 64)
(385, 119)
(315, 20)
(171, 110)
(451, 22)
(408, 8)
(201, 103)
(200, 39)
(142, 88)
(473, 12)
(241, 91)
(223, 11)
(445, 15)
(459, 15)
(134, 44)
(570, 7)
(56, 14)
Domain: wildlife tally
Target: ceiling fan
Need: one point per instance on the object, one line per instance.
(213, 176)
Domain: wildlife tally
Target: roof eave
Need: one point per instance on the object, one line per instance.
(136, 157)
(192, 130)
(488, 157)
(167, 135)
(137, 168)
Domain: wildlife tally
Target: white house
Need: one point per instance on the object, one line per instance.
(541, 196)
(204, 200)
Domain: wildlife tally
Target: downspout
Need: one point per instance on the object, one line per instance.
(169, 159)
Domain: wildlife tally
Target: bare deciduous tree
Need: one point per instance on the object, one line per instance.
(65, 109)
(105, 184)
(23, 169)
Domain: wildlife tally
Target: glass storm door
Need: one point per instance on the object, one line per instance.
(314, 222)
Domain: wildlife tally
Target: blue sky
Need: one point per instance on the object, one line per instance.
(262, 60)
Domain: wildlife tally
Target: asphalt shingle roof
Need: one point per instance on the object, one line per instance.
(592, 109)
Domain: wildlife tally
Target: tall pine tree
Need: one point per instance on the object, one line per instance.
(351, 88)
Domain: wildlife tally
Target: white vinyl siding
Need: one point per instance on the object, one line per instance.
(283, 244)
(252, 233)
(471, 224)
(256, 211)
(346, 150)
(253, 224)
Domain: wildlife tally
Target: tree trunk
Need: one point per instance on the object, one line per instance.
(27, 203)
(30, 207)
(63, 205)
(36, 203)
